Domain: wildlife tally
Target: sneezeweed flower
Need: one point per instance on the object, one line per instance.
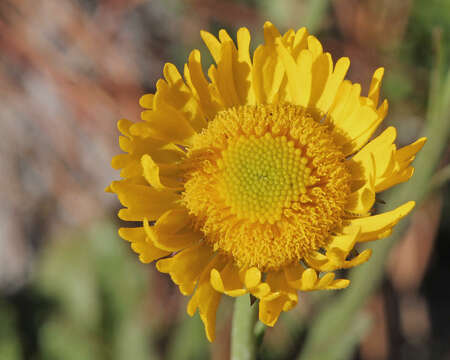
(261, 179)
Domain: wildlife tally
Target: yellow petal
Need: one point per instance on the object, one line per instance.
(394, 179)
(340, 263)
(139, 143)
(325, 281)
(133, 234)
(142, 201)
(252, 277)
(308, 280)
(292, 71)
(269, 311)
(382, 150)
(346, 103)
(338, 284)
(299, 75)
(243, 69)
(232, 77)
(212, 44)
(216, 281)
(152, 175)
(147, 251)
(260, 291)
(361, 201)
(357, 123)
(333, 84)
(344, 243)
(225, 75)
(288, 39)
(120, 161)
(372, 226)
(142, 129)
(186, 266)
(151, 172)
(206, 299)
(337, 253)
(285, 299)
(174, 93)
(196, 80)
(169, 154)
(315, 47)
(267, 70)
(317, 261)
(252, 281)
(300, 42)
(407, 152)
(339, 102)
(321, 72)
(168, 124)
(227, 280)
(271, 33)
(172, 231)
(146, 101)
(125, 144)
(267, 74)
(293, 272)
(399, 170)
(124, 125)
(358, 142)
(375, 85)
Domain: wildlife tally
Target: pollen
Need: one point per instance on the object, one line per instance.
(266, 184)
(261, 176)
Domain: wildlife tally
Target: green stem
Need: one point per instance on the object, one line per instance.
(243, 341)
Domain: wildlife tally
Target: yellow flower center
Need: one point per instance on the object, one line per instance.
(261, 176)
(266, 184)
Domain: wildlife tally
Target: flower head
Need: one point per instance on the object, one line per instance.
(261, 179)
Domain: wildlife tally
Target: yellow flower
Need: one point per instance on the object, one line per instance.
(261, 179)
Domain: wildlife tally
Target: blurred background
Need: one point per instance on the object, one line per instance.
(69, 69)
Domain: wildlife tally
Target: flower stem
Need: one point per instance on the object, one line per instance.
(243, 341)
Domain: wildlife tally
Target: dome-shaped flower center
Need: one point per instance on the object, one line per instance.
(261, 176)
(266, 184)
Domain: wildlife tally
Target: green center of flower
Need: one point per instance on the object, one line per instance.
(262, 176)
(266, 184)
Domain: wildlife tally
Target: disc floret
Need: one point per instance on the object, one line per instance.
(266, 184)
(263, 175)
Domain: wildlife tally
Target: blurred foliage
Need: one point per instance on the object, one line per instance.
(99, 298)
(9, 338)
(95, 293)
(426, 16)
